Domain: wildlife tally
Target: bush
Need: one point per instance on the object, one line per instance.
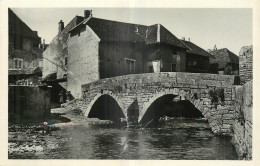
(217, 95)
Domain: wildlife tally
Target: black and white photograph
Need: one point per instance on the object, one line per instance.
(130, 83)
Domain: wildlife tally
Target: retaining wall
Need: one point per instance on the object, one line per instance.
(242, 126)
(246, 64)
(28, 103)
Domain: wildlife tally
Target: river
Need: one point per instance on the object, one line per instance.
(179, 139)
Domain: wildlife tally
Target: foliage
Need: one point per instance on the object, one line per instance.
(217, 95)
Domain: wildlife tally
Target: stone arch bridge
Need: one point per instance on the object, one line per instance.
(212, 94)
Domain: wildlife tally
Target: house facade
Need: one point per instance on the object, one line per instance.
(224, 62)
(24, 52)
(89, 49)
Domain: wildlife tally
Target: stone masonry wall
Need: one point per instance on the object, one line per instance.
(83, 60)
(203, 90)
(55, 53)
(242, 138)
(246, 64)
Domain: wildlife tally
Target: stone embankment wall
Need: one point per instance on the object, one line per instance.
(28, 103)
(212, 94)
(242, 126)
(246, 64)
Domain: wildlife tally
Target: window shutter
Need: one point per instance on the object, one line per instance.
(15, 63)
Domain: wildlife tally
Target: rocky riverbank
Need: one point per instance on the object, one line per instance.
(29, 140)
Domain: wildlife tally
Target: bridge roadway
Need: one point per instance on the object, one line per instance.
(212, 94)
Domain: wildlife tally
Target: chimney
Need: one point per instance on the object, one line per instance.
(40, 45)
(61, 26)
(136, 29)
(215, 47)
(87, 14)
(183, 38)
(189, 39)
(43, 44)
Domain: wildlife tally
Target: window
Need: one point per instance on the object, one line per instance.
(174, 52)
(150, 69)
(130, 66)
(18, 63)
(35, 63)
(173, 66)
(176, 60)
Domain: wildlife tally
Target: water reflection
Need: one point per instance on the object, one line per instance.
(85, 142)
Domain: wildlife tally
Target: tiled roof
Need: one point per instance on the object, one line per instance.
(194, 49)
(166, 37)
(14, 22)
(224, 56)
(108, 30)
(114, 31)
(27, 71)
(150, 35)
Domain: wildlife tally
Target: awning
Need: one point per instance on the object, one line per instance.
(49, 77)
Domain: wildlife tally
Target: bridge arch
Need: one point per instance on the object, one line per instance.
(177, 93)
(99, 95)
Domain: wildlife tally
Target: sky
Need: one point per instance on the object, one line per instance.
(226, 27)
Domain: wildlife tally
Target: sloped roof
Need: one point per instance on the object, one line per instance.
(27, 71)
(150, 35)
(194, 49)
(49, 77)
(17, 26)
(167, 37)
(108, 30)
(114, 31)
(224, 56)
(164, 36)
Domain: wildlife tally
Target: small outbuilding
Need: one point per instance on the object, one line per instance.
(224, 62)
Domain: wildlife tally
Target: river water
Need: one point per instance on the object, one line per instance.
(177, 140)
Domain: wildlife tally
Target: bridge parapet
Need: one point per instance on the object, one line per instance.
(198, 88)
(164, 79)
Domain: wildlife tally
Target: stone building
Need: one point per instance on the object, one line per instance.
(246, 64)
(89, 49)
(25, 50)
(197, 60)
(224, 62)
